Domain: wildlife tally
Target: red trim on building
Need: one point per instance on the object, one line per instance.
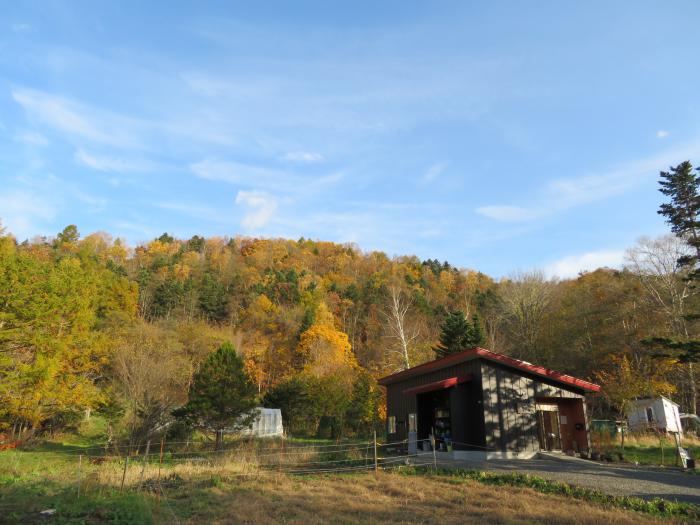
(482, 353)
(437, 385)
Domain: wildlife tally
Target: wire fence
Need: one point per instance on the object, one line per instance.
(165, 471)
(161, 468)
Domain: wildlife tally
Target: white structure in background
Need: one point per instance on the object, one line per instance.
(268, 423)
(658, 413)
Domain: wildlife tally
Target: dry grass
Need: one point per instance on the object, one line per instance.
(385, 498)
(233, 488)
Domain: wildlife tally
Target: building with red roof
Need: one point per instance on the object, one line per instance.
(478, 403)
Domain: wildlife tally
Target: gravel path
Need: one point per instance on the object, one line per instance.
(643, 482)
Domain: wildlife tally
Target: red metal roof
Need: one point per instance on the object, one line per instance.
(438, 385)
(476, 353)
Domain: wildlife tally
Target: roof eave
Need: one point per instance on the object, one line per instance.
(494, 357)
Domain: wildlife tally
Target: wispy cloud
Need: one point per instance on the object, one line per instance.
(236, 173)
(24, 213)
(110, 164)
(304, 156)
(21, 27)
(33, 138)
(572, 265)
(262, 208)
(78, 120)
(562, 194)
(269, 179)
(197, 211)
(131, 226)
(508, 213)
(662, 134)
(434, 171)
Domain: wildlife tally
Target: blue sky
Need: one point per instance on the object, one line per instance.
(500, 136)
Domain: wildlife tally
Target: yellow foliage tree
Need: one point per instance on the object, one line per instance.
(323, 349)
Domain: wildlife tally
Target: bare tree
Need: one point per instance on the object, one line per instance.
(493, 315)
(397, 325)
(655, 263)
(525, 298)
(152, 374)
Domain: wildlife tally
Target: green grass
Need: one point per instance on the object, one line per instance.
(23, 500)
(650, 454)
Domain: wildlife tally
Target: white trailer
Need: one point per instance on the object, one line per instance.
(658, 413)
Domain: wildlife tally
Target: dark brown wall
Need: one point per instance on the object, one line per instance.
(401, 405)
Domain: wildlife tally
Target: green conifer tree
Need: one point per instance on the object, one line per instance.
(682, 185)
(222, 396)
(458, 334)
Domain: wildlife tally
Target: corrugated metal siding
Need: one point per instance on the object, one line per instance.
(509, 406)
(554, 390)
(509, 409)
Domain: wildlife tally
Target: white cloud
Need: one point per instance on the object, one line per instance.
(662, 134)
(304, 156)
(572, 265)
(263, 208)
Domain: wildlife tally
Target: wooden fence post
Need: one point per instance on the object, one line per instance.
(80, 468)
(126, 464)
(160, 461)
(143, 464)
(376, 466)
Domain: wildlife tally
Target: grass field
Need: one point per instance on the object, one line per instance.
(238, 487)
(646, 449)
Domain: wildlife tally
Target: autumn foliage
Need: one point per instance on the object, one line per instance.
(90, 324)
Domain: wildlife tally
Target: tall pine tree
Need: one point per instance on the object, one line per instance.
(222, 396)
(458, 333)
(682, 185)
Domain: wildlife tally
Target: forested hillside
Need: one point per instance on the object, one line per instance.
(92, 324)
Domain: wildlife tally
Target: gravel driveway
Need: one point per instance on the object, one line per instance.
(643, 482)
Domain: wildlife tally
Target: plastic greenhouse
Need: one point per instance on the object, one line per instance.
(268, 423)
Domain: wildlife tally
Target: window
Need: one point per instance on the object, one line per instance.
(391, 424)
(411, 422)
(650, 414)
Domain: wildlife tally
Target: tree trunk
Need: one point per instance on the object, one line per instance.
(219, 439)
(692, 390)
(622, 438)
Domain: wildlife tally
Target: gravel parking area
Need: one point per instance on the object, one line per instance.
(643, 482)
